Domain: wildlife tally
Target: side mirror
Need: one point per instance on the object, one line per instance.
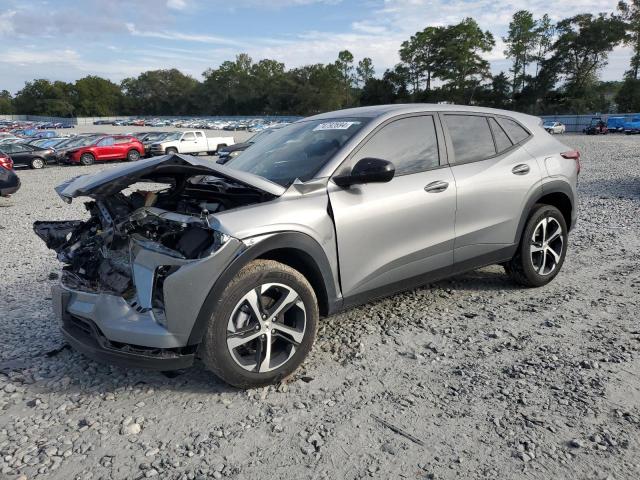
(367, 170)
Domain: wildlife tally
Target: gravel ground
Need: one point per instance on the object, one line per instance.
(488, 380)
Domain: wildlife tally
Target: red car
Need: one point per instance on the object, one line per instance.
(6, 161)
(110, 147)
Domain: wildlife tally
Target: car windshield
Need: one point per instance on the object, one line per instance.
(549, 124)
(261, 134)
(298, 150)
(84, 141)
(173, 136)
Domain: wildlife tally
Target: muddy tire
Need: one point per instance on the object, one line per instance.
(263, 326)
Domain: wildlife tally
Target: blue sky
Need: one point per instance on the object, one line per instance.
(66, 40)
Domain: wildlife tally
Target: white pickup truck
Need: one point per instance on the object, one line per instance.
(192, 142)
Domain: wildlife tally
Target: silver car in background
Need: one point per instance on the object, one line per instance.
(235, 263)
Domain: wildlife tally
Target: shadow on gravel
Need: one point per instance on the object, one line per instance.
(486, 279)
(628, 188)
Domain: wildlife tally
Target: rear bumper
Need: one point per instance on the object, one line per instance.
(4, 192)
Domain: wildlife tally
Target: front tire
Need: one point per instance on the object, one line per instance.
(542, 249)
(37, 163)
(87, 159)
(262, 327)
(170, 151)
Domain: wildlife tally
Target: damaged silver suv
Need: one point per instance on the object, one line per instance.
(234, 264)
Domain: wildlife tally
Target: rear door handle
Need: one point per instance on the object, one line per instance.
(436, 187)
(521, 169)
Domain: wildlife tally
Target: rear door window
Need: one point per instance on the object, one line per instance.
(199, 134)
(409, 143)
(502, 140)
(471, 137)
(106, 142)
(515, 131)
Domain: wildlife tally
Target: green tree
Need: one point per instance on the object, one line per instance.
(42, 97)
(377, 92)
(6, 104)
(345, 65)
(365, 70)
(630, 12)
(459, 62)
(520, 42)
(95, 96)
(420, 54)
(582, 47)
(160, 92)
(628, 97)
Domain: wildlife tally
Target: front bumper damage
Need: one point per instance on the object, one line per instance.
(131, 332)
(137, 272)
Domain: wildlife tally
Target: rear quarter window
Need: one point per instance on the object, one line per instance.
(516, 132)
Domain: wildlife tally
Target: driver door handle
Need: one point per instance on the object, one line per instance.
(436, 187)
(521, 169)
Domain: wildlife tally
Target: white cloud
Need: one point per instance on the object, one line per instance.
(6, 25)
(188, 37)
(176, 4)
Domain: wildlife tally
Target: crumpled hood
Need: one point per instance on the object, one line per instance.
(115, 179)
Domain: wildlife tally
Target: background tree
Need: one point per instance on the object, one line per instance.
(521, 41)
(630, 13)
(6, 103)
(582, 46)
(95, 96)
(459, 62)
(345, 65)
(365, 70)
(159, 92)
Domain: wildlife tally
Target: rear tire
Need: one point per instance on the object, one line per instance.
(542, 248)
(38, 163)
(87, 159)
(250, 341)
(133, 155)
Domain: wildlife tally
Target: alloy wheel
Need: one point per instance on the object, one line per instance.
(546, 247)
(37, 163)
(266, 327)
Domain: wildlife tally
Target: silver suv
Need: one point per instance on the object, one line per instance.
(234, 264)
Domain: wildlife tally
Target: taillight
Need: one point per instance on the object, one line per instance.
(572, 155)
(6, 162)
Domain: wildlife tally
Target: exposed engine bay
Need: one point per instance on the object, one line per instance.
(174, 221)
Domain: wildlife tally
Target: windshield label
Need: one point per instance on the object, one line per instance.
(335, 126)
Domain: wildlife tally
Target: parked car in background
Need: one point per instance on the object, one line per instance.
(235, 263)
(72, 143)
(632, 127)
(192, 142)
(46, 142)
(9, 181)
(103, 122)
(5, 161)
(149, 138)
(45, 134)
(227, 153)
(28, 155)
(616, 124)
(554, 127)
(110, 147)
(596, 127)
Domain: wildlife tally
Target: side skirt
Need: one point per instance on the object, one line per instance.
(498, 256)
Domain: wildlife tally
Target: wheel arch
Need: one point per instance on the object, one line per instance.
(556, 193)
(295, 249)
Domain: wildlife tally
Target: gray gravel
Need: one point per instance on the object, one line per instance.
(495, 381)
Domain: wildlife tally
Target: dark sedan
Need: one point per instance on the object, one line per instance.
(227, 153)
(25, 154)
(9, 182)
